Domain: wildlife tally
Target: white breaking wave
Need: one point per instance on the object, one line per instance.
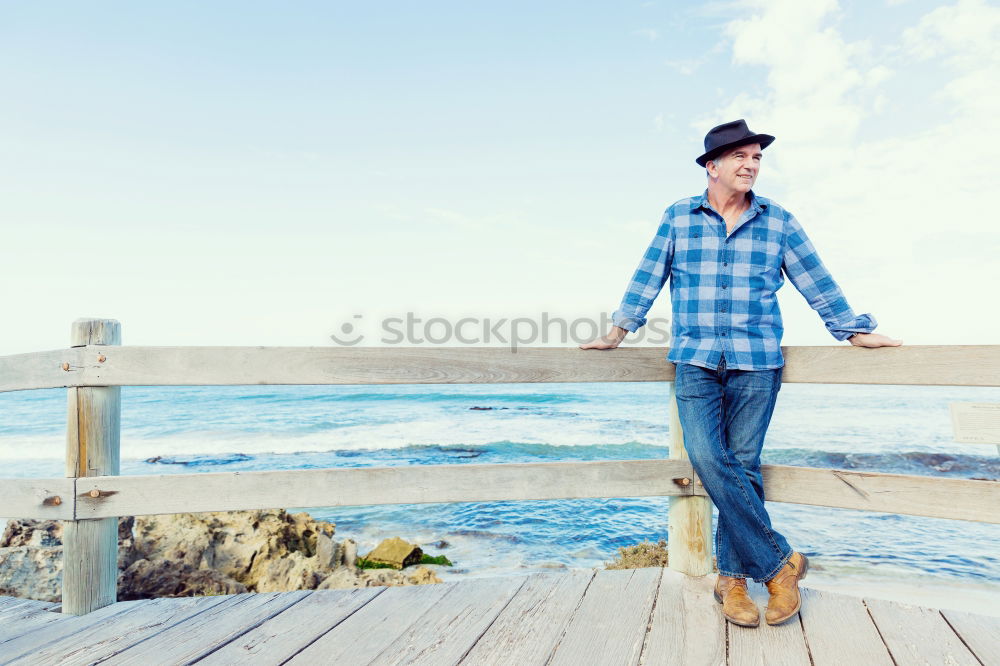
(439, 431)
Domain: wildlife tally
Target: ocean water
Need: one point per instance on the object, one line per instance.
(898, 429)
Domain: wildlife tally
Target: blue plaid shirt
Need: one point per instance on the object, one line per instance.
(723, 288)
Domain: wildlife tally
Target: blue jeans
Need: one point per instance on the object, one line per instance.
(724, 415)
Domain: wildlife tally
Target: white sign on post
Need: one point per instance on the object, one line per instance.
(976, 422)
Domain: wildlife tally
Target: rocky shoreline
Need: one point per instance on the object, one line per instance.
(215, 553)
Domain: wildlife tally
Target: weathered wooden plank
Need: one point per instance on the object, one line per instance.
(7, 601)
(610, 625)
(44, 499)
(449, 629)
(19, 622)
(363, 635)
(163, 366)
(942, 365)
(828, 618)
(960, 499)
(767, 645)
(18, 606)
(980, 633)
(105, 639)
(201, 634)
(43, 369)
(527, 630)
(927, 365)
(227, 491)
(688, 626)
(34, 632)
(14, 609)
(957, 499)
(917, 635)
(294, 629)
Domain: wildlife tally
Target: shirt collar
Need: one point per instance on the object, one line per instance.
(701, 201)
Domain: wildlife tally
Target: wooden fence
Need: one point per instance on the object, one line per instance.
(92, 495)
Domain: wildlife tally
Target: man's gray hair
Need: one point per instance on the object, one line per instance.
(717, 161)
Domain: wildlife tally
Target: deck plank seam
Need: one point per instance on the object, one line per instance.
(334, 625)
(249, 628)
(805, 639)
(402, 632)
(43, 627)
(153, 624)
(879, 630)
(208, 606)
(967, 646)
(7, 638)
(569, 620)
(154, 635)
(24, 607)
(726, 638)
(649, 622)
(487, 628)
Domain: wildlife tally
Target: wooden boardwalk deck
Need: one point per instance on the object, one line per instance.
(584, 617)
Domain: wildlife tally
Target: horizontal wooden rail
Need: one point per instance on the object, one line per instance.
(416, 484)
(46, 499)
(38, 370)
(108, 496)
(914, 495)
(96, 365)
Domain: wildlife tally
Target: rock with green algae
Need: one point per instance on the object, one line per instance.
(197, 554)
(396, 553)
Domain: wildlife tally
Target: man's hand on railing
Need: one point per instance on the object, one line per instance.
(873, 340)
(609, 341)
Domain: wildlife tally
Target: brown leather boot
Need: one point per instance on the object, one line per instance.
(785, 600)
(737, 605)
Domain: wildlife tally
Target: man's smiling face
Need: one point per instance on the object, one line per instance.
(737, 168)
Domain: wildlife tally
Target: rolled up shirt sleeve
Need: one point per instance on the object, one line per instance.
(803, 267)
(648, 280)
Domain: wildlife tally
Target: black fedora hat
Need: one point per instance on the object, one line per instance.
(730, 135)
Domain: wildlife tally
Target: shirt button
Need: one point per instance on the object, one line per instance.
(725, 264)
(723, 286)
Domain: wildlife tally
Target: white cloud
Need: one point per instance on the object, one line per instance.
(649, 33)
(965, 37)
(876, 195)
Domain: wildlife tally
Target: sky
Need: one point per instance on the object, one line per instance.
(265, 173)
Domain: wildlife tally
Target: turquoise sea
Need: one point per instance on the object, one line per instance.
(905, 430)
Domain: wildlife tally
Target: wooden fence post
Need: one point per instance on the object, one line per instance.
(93, 437)
(689, 531)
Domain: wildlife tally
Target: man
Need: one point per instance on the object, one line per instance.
(724, 253)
